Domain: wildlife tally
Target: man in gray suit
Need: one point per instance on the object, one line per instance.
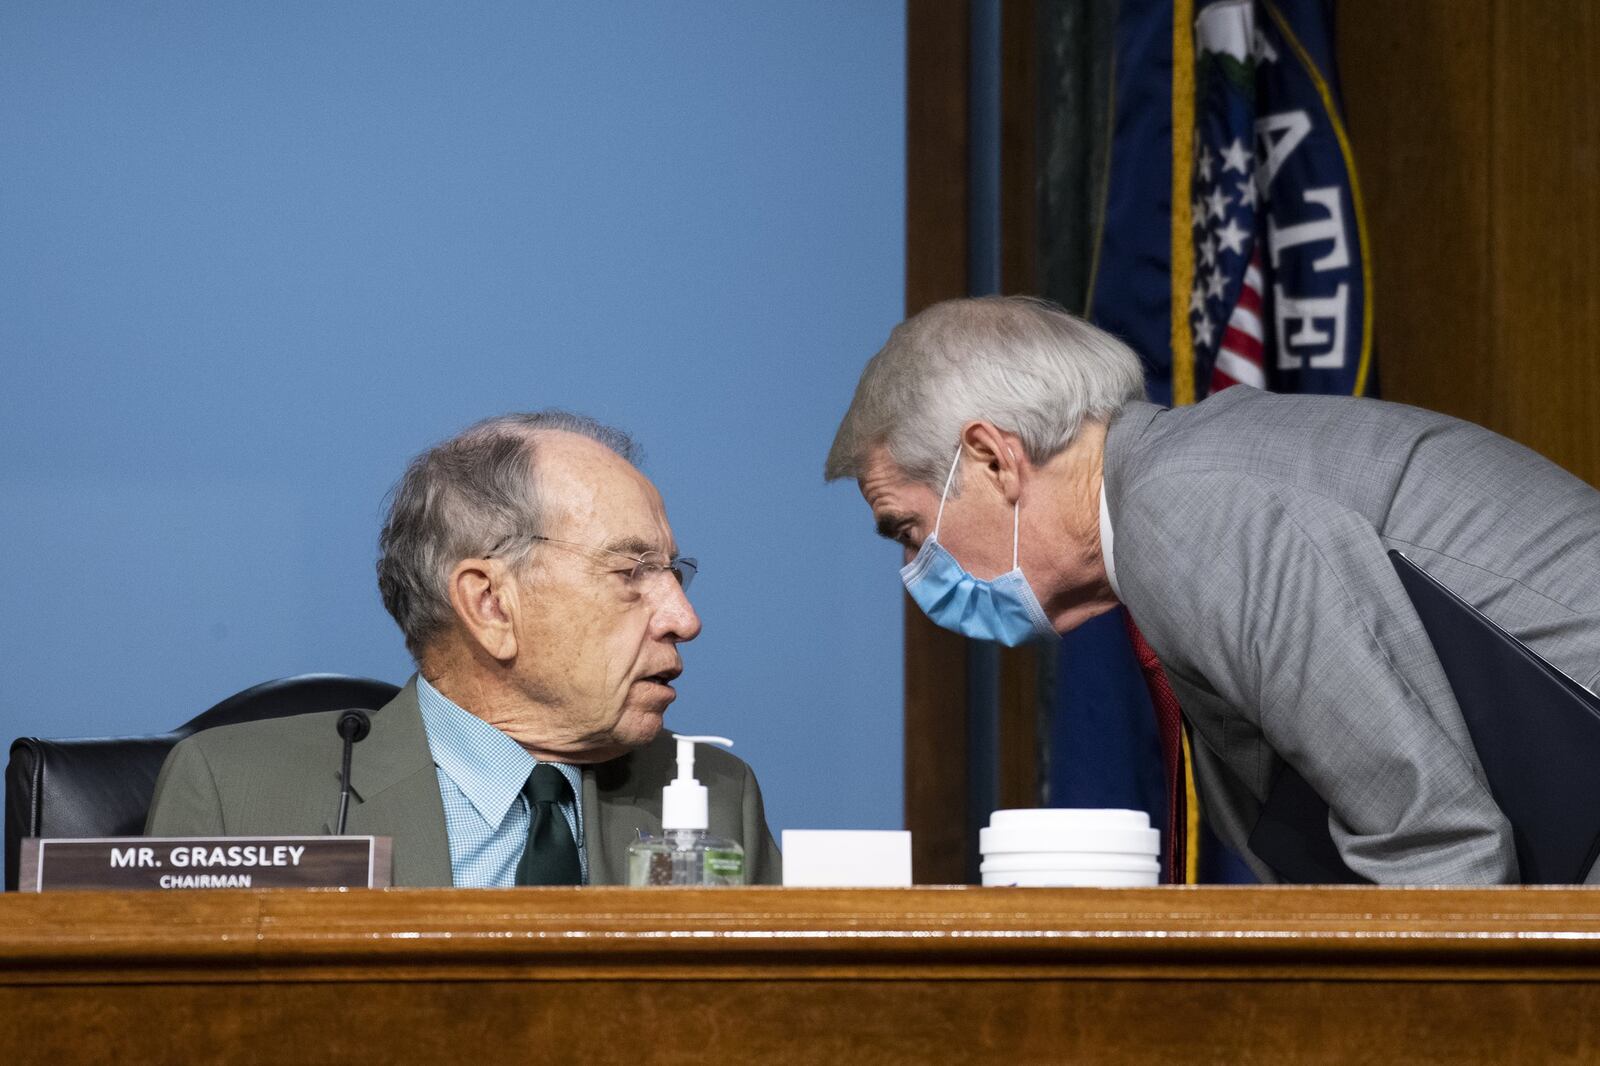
(532, 570)
(1007, 447)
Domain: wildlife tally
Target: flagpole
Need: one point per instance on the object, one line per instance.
(983, 279)
(1181, 214)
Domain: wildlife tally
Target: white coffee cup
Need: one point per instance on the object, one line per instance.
(1070, 848)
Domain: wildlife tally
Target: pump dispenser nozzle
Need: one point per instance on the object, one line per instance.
(684, 803)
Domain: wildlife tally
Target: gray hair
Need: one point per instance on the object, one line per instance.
(471, 495)
(1019, 362)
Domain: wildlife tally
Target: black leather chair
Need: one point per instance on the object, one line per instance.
(102, 787)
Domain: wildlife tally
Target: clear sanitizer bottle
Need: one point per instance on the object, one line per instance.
(684, 853)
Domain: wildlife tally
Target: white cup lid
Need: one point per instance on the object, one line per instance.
(1065, 829)
(1025, 841)
(1069, 818)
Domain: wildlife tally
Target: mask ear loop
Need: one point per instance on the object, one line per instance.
(949, 478)
(1016, 521)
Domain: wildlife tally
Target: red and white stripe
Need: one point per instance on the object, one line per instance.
(1240, 359)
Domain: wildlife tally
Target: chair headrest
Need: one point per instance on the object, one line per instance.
(301, 694)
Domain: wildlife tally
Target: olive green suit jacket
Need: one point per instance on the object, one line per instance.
(280, 777)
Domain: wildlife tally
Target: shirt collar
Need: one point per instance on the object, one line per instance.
(1105, 541)
(487, 765)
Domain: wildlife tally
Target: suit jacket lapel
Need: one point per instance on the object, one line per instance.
(614, 813)
(395, 792)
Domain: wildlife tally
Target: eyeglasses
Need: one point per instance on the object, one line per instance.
(640, 568)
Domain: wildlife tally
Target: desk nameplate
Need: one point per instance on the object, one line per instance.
(165, 863)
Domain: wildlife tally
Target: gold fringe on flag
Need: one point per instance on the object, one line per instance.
(1182, 282)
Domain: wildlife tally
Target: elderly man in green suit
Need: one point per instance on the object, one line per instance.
(532, 570)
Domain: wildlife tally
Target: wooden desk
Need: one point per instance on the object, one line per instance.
(927, 975)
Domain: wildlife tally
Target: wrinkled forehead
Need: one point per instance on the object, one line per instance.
(592, 495)
(889, 490)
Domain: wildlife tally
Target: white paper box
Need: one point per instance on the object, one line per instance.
(846, 858)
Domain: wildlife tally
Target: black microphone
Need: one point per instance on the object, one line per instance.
(354, 725)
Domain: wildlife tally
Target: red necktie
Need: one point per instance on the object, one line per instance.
(1169, 721)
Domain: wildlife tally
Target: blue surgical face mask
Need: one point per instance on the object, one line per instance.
(1004, 610)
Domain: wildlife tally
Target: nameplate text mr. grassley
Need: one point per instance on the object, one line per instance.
(188, 855)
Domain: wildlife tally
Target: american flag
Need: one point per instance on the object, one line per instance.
(1240, 358)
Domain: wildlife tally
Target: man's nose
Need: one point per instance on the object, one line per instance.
(675, 618)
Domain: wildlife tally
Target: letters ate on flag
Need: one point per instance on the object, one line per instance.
(1231, 249)
(1279, 289)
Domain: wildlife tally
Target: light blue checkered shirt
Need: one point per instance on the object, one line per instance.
(481, 774)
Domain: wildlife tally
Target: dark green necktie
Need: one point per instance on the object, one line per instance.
(551, 857)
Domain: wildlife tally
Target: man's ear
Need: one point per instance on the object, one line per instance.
(1001, 455)
(484, 598)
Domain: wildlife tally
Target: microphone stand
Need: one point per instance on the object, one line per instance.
(353, 726)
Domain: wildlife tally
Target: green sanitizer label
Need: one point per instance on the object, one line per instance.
(724, 864)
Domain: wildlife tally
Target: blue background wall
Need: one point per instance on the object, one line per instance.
(254, 257)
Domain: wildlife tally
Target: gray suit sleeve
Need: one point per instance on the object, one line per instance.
(1287, 606)
(763, 861)
(186, 801)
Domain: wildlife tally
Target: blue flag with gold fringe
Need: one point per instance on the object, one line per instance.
(1231, 249)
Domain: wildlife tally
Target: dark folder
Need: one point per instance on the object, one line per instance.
(1536, 731)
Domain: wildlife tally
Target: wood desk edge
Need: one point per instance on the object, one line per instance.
(1334, 933)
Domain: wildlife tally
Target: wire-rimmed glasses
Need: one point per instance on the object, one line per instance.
(643, 568)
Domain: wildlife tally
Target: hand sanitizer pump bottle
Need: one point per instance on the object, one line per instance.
(684, 853)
